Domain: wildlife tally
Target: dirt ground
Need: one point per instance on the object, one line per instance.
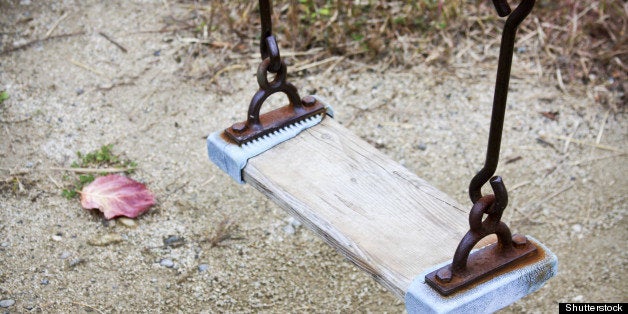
(568, 178)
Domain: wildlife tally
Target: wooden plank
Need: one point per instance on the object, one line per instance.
(384, 218)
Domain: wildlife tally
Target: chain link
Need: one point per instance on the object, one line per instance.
(268, 43)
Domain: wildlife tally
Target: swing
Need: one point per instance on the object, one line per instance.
(382, 217)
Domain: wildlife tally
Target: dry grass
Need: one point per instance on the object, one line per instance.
(574, 42)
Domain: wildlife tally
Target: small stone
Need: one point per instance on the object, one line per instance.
(577, 228)
(65, 255)
(105, 86)
(294, 222)
(45, 281)
(127, 222)
(203, 267)
(107, 239)
(166, 263)
(79, 91)
(56, 238)
(174, 241)
(4, 244)
(289, 229)
(6, 303)
(578, 298)
(75, 262)
(422, 146)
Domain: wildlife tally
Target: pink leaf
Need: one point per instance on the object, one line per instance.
(117, 195)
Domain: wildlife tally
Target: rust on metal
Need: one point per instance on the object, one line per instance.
(509, 250)
(268, 42)
(467, 269)
(480, 265)
(500, 97)
(272, 121)
(298, 109)
(257, 125)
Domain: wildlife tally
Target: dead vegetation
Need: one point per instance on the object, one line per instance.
(581, 45)
(225, 231)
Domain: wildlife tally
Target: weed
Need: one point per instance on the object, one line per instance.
(3, 96)
(16, 185)
(100, 158)
(103, 157)
(224, 231)
(83, 180)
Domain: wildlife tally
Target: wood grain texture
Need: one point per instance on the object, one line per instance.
(385, 219)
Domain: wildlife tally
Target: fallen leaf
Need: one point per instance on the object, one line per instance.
(117, 195)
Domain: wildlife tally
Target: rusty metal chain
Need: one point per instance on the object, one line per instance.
(467, 268)
(258, 125)
(501, 91)
(268, 42)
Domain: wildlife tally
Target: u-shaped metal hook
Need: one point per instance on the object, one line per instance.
(467, 268)
(501, 91)
(493, 206)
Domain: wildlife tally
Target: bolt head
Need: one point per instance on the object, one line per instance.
(444, 275)
(519, 240)
(308, 101)
(239, 127)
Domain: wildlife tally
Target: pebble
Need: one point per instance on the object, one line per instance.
(578, 298)
(107, 239)
(174, 241)
(4, 244)
(76, 261)
(289, 229)
(292, 225)
(65, 255)
(166, 263)
(45, 281)
(6, 303)
(127, 222)
(577, 228)
(56, 238)
(294, 222)
(203, 267)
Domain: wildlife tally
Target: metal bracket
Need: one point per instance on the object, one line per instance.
(258, 125)
(482, 264)
(467, 268)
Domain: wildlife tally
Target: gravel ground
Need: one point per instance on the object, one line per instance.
(567, 177)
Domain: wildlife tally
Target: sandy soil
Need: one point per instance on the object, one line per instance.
(81, 92)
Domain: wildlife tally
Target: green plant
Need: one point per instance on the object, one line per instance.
(3, 96)
(83, 180)
(100, 158)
